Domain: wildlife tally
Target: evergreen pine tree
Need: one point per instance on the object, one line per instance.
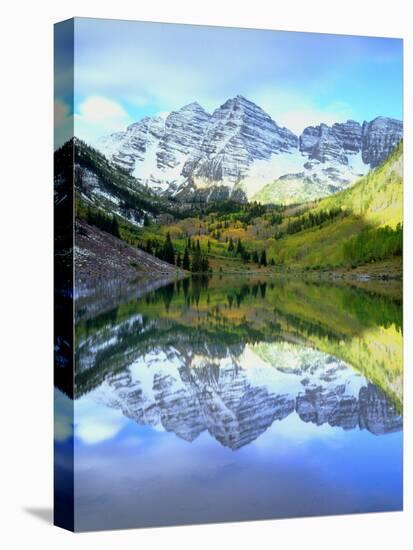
(114, 229)
(168, 250)
(149, 247)
(263, 259)
(196, 260)
(185, 261)
(204, 264)
(245, 255)
(158, 251)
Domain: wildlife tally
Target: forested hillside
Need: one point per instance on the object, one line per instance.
(360, 226)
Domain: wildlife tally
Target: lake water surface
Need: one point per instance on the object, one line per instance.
(235, 399)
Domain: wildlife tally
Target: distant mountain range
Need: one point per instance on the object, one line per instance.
(239, 152)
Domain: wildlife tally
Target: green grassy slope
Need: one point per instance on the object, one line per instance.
(368, 230)
(378, 196)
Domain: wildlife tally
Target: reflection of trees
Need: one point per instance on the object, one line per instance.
(167, 294)
(195, 290)
(338, 320)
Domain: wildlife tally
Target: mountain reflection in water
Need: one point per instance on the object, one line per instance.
(236, 392)
(234, 360)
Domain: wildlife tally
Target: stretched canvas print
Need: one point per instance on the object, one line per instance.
(228, 274)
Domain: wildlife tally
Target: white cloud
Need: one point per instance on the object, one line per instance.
(98, 116)
(95, 422)
(145, 78)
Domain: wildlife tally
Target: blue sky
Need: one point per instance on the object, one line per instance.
(126, 70)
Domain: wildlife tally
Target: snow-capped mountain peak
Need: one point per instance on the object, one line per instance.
(239, 151)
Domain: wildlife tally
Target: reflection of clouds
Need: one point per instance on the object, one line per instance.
(94, 422)
(140, 444)
(63, 416)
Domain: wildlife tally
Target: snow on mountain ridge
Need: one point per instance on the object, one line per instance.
(239, 149)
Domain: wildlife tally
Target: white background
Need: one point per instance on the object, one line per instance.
(26, 272)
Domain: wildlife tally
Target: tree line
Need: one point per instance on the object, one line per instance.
(313, 219)
(239, 250)
(102, 221)
(191, 260)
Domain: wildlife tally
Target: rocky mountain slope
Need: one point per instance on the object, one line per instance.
(239, 152)
(101, 258)
(102, 184)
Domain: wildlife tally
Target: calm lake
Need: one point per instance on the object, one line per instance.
(229, 399)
